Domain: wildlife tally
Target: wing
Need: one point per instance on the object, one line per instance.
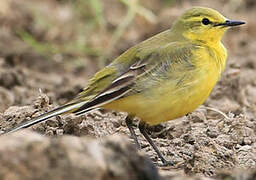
(131, 58)
(171, 63)
(146, 68)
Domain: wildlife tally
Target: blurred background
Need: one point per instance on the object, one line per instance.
(50, 48)
(56, 45)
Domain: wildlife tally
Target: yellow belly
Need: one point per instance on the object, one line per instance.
(167, 102)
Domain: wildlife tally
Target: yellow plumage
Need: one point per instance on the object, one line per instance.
(169, 101)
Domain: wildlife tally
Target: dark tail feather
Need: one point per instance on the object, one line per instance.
(55, 112)
(116, 90)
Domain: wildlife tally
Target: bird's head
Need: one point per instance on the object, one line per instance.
(203, 24)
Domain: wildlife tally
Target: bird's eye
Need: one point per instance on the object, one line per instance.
(206, 21)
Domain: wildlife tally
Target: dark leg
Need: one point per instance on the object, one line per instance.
(142, 127)
(128, 121)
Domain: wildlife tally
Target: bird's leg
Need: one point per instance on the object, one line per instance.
(128, 121)
(142, 128)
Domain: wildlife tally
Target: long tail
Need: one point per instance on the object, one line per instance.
(55, 112)
(81, 105)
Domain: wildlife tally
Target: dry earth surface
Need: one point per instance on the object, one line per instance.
(210, 143)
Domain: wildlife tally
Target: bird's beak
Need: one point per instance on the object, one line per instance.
(229, 23)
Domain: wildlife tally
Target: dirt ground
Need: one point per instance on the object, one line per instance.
(49, 50)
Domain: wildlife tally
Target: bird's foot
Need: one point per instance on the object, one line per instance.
(166, 163)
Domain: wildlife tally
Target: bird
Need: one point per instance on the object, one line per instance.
(160, 79)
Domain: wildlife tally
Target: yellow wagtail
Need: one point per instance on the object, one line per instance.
(159, 79)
